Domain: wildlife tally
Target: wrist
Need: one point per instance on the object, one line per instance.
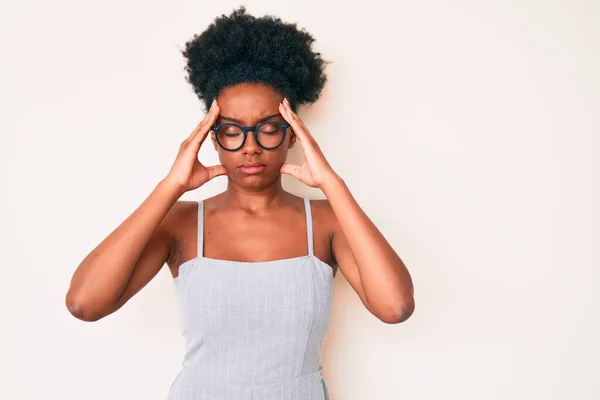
(170, 187)
(331, 182)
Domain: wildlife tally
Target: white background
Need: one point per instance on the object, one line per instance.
(467, 130)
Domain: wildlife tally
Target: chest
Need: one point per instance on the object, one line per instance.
(246, 238)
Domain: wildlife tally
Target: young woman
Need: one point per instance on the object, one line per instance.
(253, 266)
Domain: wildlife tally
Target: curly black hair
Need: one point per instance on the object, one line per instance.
(242, 48)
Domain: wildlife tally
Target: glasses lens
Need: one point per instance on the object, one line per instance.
(230, 136)
(270, 135)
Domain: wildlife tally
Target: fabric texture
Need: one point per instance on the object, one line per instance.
(253, 330)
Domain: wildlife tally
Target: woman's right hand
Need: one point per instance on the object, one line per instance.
(187, 173)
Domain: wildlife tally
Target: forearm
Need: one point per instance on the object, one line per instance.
(104, 273)
(384, 277)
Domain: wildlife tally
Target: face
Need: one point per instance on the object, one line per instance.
(248, 104)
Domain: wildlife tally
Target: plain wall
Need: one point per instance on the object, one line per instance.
(466, 130)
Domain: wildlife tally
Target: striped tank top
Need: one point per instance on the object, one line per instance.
(253, 330)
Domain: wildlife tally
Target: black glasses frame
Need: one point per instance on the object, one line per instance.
(245, 130)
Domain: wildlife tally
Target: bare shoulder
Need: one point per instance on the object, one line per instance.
(323, 213)
(178, 224)
(181, 208)
(179, 215)
(325, 223)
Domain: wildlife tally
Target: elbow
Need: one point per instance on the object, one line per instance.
(399, 312)
(82, 308)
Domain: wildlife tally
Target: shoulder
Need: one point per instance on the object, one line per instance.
(185, 212)
(178, 223)
(323, 214)
(179, 215)
(322, 207)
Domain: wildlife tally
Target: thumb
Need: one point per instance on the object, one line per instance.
(291, 169)
(216, 170)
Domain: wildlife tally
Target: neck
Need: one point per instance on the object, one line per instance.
(255, 200)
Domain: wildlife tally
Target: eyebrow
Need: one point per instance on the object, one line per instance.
(260, 120)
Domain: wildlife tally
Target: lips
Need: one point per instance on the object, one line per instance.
(251, 167)
(252, 164)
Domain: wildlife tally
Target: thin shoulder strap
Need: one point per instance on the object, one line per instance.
(309, 226)
(200, 248)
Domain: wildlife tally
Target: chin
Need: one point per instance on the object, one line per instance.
(255, 182)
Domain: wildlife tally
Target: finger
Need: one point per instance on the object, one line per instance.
(286, 115)
(201, 123)
(307, 141)
(291, 169)
(299, 130)
(216, 170)
(295, 117)
(202, 129)
(206, 124)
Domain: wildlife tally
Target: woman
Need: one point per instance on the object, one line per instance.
(254, 265)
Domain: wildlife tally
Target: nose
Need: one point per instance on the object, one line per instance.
(250, 146)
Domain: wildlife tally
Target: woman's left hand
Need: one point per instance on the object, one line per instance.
(315, 171)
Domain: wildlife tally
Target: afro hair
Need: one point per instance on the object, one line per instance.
(242, 48)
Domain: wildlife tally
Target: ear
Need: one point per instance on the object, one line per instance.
(214, 141)
(293, 138)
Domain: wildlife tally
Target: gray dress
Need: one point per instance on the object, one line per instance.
(253, 330)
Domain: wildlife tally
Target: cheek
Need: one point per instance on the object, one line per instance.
(278, 156)
(227, 159)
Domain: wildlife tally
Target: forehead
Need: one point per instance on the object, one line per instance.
(249, 101)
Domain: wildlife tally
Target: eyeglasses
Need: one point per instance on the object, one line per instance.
(268, 135)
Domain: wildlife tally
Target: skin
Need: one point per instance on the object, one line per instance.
(271, 221)
(258, 200)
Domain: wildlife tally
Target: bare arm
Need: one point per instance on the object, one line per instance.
(126, 260)
(369, 263)
(363, 254)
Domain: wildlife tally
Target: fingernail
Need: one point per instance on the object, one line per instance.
(213, 103)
